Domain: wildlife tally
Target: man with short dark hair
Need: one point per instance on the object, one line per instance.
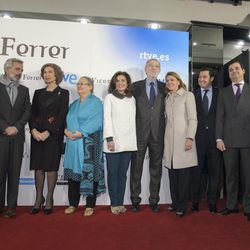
(233, 137)
(208, 155)
(14, 114)
(150, 125)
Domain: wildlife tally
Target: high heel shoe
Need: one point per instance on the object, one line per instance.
(35, 210)
(48, 211)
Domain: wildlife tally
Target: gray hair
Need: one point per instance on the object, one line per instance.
(10, 61)
(90, 82)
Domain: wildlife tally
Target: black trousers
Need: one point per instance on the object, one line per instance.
(179, 188)
(11, 154)
(155, 169)
(236, 160)
(211, 158)
(74, 194)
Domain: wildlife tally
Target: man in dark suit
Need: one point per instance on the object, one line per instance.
(150, 126)
(14, 114)
(233, 136)
(208, 155)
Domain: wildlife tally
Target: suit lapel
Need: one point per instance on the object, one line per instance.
(213, 101)
(160, 92)
(144, 91)
(19, 96)
(245, 94)
(5, 94)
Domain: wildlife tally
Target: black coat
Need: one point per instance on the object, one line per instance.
(48, 112)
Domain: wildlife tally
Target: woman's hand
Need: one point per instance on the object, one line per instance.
(111, 146)
(36, 135)
(69, 134)
(77, 135)
(44, 135)
(188, 144)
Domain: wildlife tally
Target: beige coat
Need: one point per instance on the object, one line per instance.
(181, 123)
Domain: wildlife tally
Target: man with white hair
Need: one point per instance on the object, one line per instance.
(14, 114)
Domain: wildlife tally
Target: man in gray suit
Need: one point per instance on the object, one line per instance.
(14, 114)
(233, 136)
(149, 94)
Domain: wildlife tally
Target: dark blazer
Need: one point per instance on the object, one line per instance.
(17, 115)
(211, 117)
(149, 119)
(233, 120)
(48, 113)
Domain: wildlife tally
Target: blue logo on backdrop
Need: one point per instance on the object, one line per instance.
(26, 181)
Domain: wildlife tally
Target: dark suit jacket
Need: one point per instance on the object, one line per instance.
(16, 115)
(149, 119)
(233, 120)
(211, 117)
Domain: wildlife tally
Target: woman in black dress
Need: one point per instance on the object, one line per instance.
(48, 112)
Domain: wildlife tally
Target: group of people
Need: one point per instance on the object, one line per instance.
(184, 131)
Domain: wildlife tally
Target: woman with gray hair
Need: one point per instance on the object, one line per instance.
(83, 162)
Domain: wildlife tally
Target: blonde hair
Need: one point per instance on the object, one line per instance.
(175, 75)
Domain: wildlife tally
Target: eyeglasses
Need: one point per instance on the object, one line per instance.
(81, 84)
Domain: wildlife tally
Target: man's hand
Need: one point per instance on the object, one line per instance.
(10, 131)
(220, 145)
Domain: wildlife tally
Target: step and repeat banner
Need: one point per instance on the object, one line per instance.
(93, 50)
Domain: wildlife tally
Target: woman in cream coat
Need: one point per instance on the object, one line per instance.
(179, 149)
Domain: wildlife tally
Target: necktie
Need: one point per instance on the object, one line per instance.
(152, 94)
(238, 92)
(205, 101)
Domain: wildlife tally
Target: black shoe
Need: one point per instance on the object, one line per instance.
(227, 211)
(212, 209)
(171, 209)
(195, 207)
(154, 208)
(179, 214)
(47, 211)
(135, 207)
(10, 213)
(248, 216)
(35, 210)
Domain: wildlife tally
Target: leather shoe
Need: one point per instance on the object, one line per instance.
(179, 214)
(195, 207)
(248, 216)
(154, 208)
(227, 211)
(212, 209)
(10, 213)
(171, 209)
(135, 207)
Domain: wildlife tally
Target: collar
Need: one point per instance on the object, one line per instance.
(179, 92)
(241, 82)
(149, 81)
(209, 89)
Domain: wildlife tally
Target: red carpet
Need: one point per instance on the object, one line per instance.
(142, 230)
